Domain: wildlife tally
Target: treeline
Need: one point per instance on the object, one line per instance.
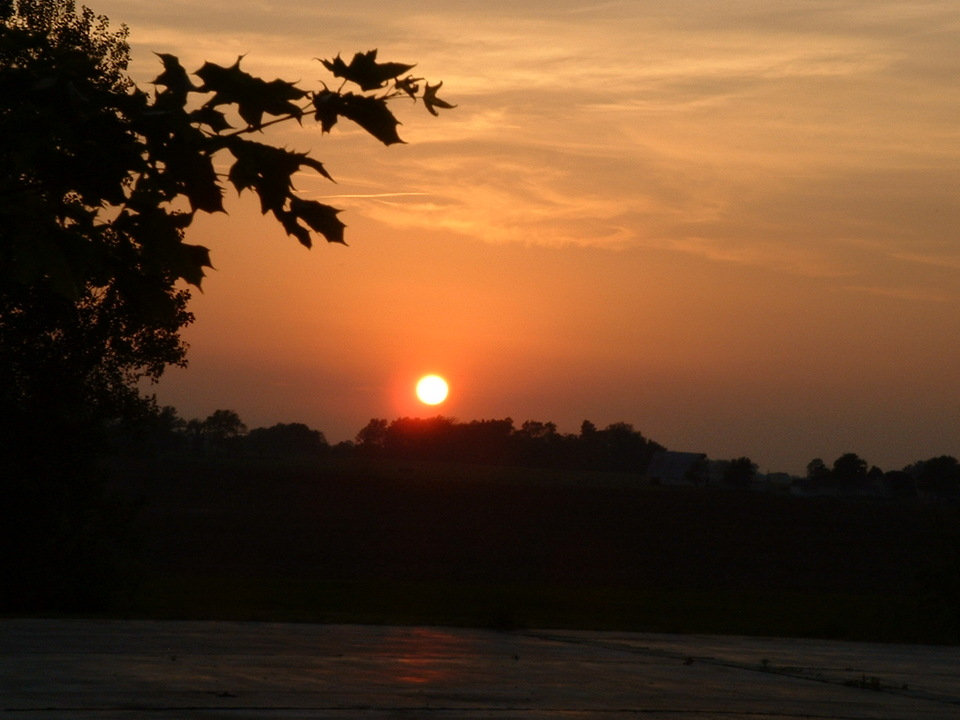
(164, 432)
(850, 474)
(617, 447)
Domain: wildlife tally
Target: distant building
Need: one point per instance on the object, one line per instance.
(678, 469)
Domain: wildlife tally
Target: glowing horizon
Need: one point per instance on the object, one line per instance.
(732, 226)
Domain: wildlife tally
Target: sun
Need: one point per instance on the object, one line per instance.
(432, 389)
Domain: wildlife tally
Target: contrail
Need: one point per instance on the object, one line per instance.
(375, 195)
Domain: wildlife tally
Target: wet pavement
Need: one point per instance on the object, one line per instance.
(143, 669)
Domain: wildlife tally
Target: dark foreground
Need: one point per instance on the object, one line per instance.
(508, 549)
(134, 669)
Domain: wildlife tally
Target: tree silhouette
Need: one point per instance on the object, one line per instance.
(849, 468)
(99, 182)
(372, 438)
(740, 472)
(817, 470)
(939, 476)
(286, 440)
(497, 442)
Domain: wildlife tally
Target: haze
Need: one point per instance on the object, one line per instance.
(732, 225)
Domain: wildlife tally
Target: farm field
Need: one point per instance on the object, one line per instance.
(367, 542)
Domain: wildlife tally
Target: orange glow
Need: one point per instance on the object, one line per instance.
(432, 389)
(424, 655)
(739, 238)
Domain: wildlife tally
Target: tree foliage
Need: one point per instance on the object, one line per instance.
(740, 472)
(101, 179)
(618, 447)
(99, 182)
(287, 440)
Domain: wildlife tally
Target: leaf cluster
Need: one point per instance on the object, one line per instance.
(86, 154)
(186, 137)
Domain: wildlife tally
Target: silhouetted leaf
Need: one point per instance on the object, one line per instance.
(289, 222)
(365, 71)
(315, 164)
(174, 77)
(190, 169)
(253, 96)
(214, 119)
(431, 101)
(373, 115)
(409, 85)
(268, 171)
(190, 263)
(321, 218)
(328, 105)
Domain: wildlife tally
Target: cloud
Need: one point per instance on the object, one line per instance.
(771, 134)
(950, 261)
(914, 294)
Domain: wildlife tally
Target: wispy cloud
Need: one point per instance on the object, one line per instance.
(913, 294)
(742, 133)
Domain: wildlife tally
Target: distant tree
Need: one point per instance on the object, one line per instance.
(817, 470)
(222, 430)
(533, 444)
(849, 468)
(537, 444)
(293, 439)
(372, 438)
(626, 449)
(484, 441)
(536, 430)
(901, 483)
(939, 476)
(159, 431)
(421, 438)
(740, 472)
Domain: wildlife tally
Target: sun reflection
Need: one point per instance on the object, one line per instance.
(424, 656)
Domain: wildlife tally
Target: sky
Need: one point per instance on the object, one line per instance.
(733, 225)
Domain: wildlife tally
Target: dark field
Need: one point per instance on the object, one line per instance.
(379, 543)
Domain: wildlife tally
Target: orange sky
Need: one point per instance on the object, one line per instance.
(733, 225)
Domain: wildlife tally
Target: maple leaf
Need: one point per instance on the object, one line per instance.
(321, 218)
(365, 71)
(327, 105)
(189, 261)
(253, 96)
(373, 115)
(431, 101)
(268, 171)
(289, 222)
(214, 119)
(305, 159)
(174, 77)
(189, 166)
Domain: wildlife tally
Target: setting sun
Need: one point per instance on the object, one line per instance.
(432, 389)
